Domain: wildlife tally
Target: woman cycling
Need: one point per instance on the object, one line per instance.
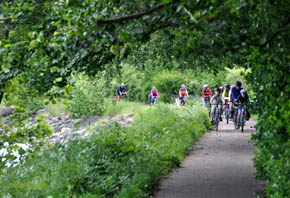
(153, 95)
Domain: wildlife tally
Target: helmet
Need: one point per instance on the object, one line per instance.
(239, 83)
(243, 91)
(153, 87)
(183, 86)
(227, 85)
(217, 89)
(122, 85)
(205, 86)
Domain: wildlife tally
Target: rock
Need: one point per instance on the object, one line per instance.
(65, 130)
(80, 132)
(41, 111)
(5, 110)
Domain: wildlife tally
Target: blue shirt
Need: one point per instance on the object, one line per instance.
(235, 92)
(120, 89)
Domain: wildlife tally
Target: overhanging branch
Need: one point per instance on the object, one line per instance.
(276, 33)
(130, 17)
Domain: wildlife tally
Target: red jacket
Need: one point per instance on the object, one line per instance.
(206, 93)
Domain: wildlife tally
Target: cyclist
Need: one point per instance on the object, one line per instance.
(121, 90)
(206, 95)
(226, 92)
(234, 94)
(183, 93)
(216, 101)
(153, 95)
(244, 100)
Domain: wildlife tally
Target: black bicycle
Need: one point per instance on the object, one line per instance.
(182, 101)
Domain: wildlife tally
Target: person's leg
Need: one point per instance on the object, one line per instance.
(203, 102)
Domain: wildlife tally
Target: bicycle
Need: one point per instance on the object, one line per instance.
(153, 100)
(235, 117)
(182, 101)
(207, 104)
(227, 110)
(241, 116)
(216, 117)
(122, 96)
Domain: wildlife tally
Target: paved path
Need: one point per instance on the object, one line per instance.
(219, 167)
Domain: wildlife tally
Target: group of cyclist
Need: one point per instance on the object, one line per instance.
(223, 97)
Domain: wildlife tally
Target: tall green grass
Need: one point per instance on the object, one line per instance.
(114, 162)
(118, 108)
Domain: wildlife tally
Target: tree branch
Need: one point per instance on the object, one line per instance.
(130, 17)
(276, 34)
(7, 21)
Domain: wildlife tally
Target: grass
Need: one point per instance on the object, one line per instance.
(116, 108)
(57, 108)
(117, 161)
(254, 117)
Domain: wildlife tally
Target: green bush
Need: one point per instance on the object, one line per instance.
(32, 135)
(272, 157)
(168, 84)
(114, 162)
(88, 96)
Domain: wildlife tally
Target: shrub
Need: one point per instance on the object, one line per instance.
(88, 96)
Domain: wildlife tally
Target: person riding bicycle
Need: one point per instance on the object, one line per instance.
(226, 94)
(234, 94)
(244, 100)
(121, 90)
(206, 94)
(183, 94)
(153, 95)
(216, 101)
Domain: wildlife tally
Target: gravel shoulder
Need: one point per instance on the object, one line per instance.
(219, 167)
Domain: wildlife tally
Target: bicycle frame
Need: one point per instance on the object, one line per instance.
(153, 100)
(242, 111)
(227, 112)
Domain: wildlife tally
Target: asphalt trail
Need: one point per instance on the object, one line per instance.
(219, 167)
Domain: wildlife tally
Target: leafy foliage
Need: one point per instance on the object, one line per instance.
(32, 135)
(43, 42)
(115, 162)
(87, 96)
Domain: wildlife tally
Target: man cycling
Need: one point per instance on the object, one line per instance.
(206, 95)
(216, 101)
(244, 100)
(183, 94)
(234, 94)
(153, 95)
(121, 91)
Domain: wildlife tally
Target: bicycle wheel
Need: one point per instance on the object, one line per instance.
(216, 119)
(242, 121)
(236, 119)
(227, 115)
